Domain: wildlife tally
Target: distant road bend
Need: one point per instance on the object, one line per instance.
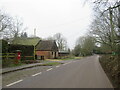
(84, 73)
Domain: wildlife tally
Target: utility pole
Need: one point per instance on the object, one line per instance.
(35, 32)
(34, 45)
(34, 52)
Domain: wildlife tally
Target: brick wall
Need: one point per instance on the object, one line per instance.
(47, 54)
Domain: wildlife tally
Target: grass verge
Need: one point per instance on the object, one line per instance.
(69, 58)
(51, 64)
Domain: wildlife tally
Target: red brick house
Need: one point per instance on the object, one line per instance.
(46, 49)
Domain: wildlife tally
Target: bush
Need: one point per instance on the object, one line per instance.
(111, 65)
(30, 61)
(4, 46)
(11, 63)
(7, 60)
(27, 58)
(26, 50)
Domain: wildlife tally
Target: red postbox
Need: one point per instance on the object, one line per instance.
(18, 56)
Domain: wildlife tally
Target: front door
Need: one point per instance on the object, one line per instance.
(55, 55)
(42, 58)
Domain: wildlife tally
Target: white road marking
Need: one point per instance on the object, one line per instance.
(65, 64)
(37, 74)
(58, 66)
(14, 83)
(49, 69)
(68, 62)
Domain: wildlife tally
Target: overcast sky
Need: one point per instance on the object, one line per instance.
(68, 17)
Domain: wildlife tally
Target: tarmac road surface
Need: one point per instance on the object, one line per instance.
(83, 73)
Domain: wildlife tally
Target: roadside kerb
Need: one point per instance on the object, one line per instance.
(13, 69)
(8, 70)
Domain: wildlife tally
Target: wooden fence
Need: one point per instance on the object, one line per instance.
(8, 56)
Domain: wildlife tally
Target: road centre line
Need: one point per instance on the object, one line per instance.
(14, 83)
(65, 63)
(69, 62)
(37, 74)
(58, 66)
(49, 69)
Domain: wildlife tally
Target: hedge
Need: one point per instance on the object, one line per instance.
(4, 46)
(26, 50)
(111, 65)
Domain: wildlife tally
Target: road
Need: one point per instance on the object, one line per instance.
(84, 73)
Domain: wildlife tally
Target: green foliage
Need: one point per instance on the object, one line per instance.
(26, 50)
(4, 46)
(27, 58)
(67, 58)
(85, 46)
(8, 53)
(10, 63)
(77, 50)
(0, 46)
(118, 49)
(30, 61)
(51, 64)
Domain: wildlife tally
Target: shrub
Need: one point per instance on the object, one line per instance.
(26, 50)
(27, 58)
(7, 63)
(4, 46)
(30, 61)
(111, 65)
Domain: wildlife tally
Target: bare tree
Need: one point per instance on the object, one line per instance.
(5, 21)
(17, 27)
(24, 35)
(61, 41)
(5, 24)
(10, 27)
(105, 28)
(104, 5)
